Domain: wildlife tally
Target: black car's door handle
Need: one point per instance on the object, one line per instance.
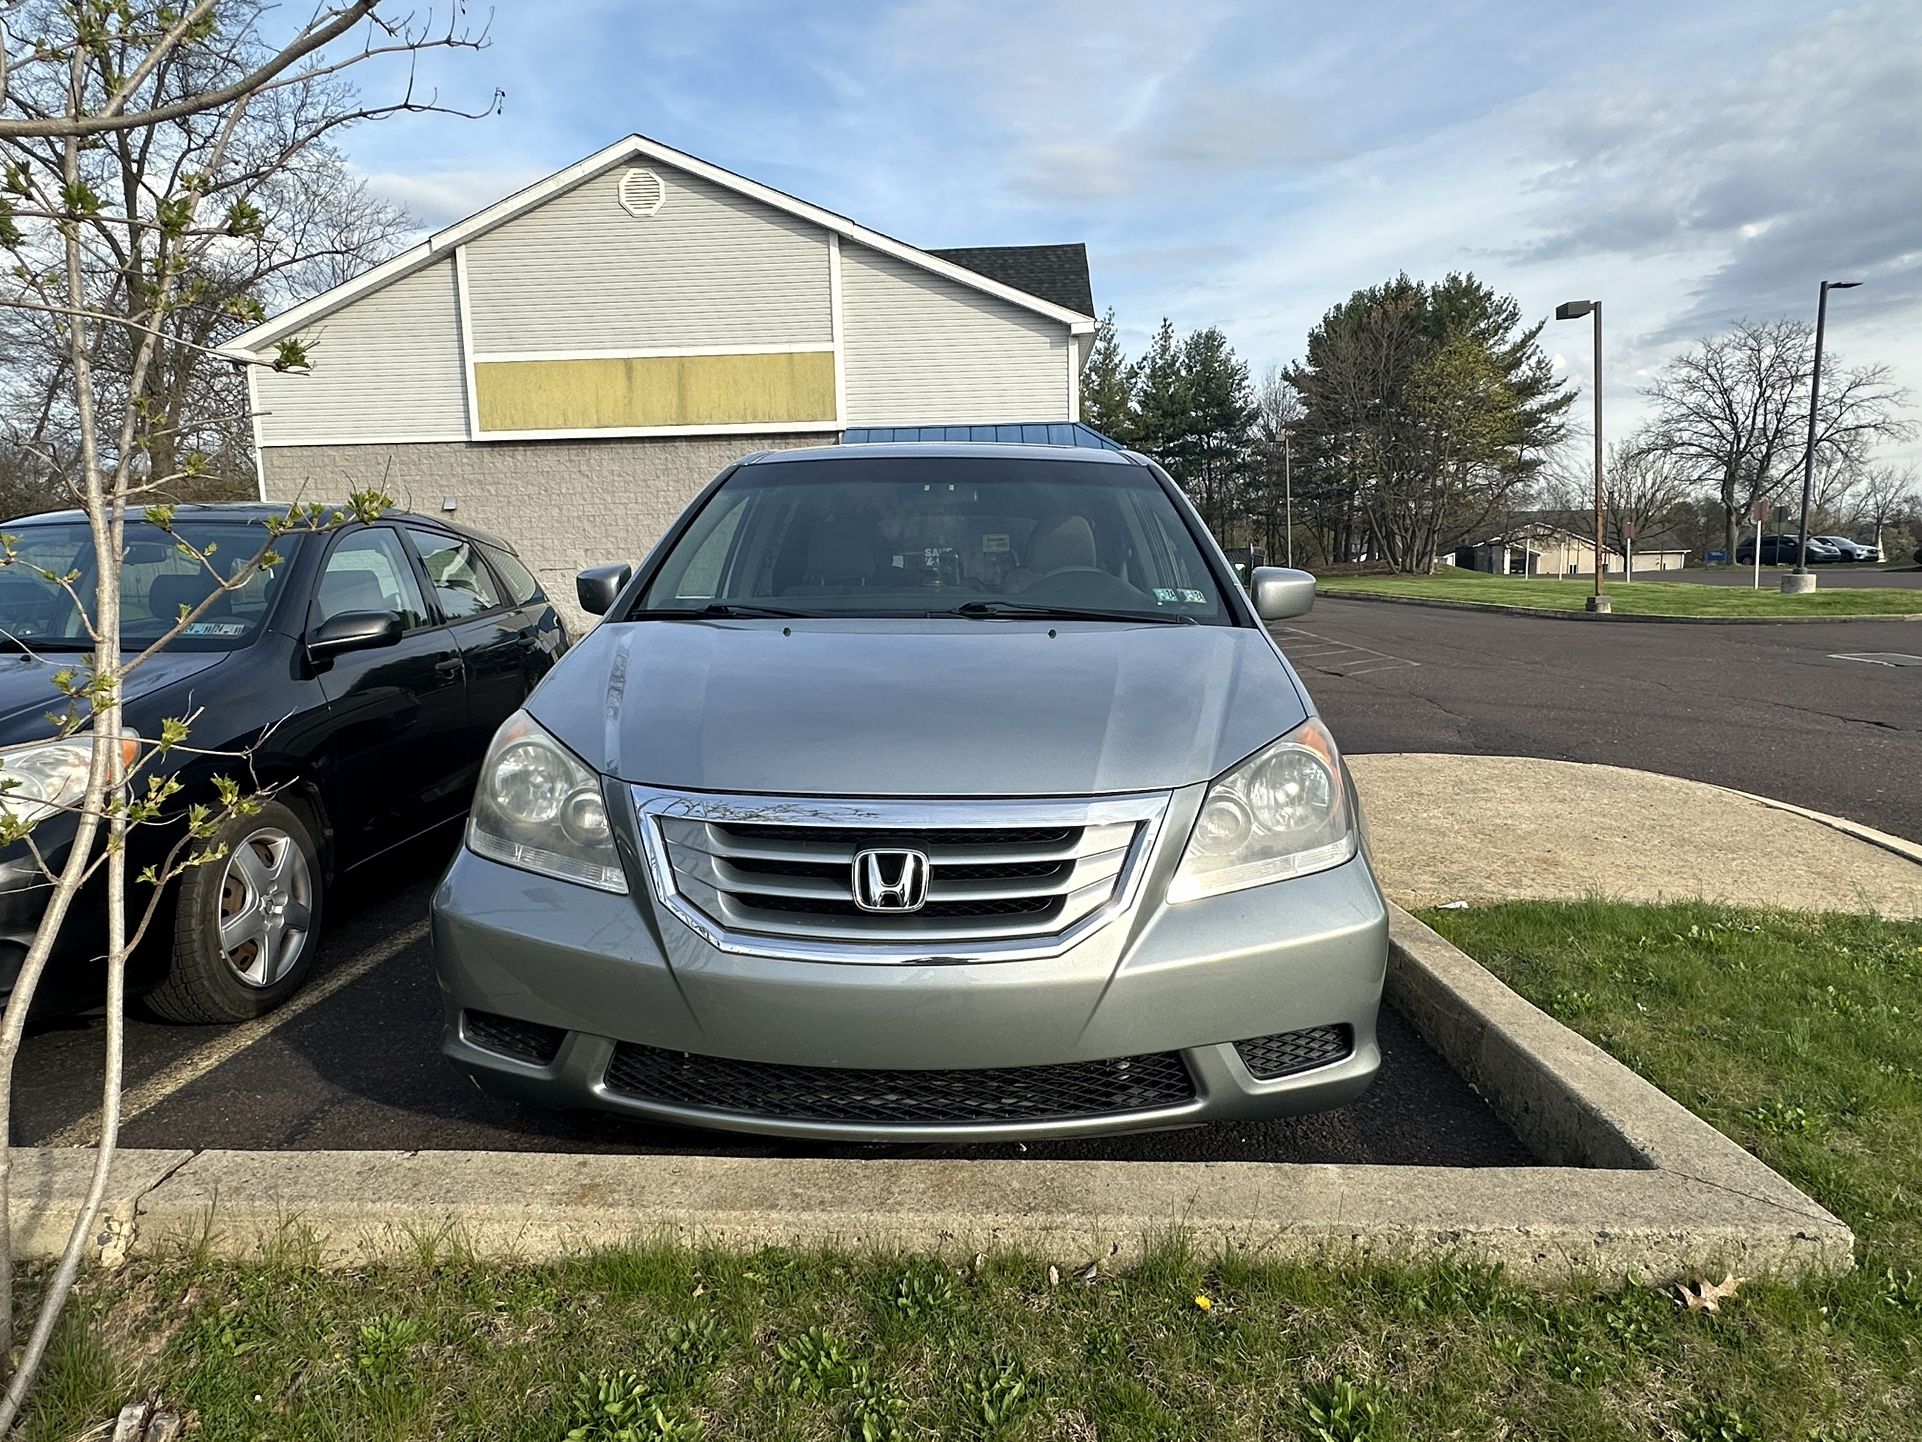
(448, 666)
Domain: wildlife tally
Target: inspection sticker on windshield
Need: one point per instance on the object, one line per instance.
(1168, 595)
(215, 628)
(994, 542)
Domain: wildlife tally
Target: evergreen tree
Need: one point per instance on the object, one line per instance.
(1107, 399)
(1161, 399)
(1431, 405)
(1218, 430)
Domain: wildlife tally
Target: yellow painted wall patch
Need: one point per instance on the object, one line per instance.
(683, 390)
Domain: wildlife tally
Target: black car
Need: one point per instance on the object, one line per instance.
(1785, 551)
(363, 677)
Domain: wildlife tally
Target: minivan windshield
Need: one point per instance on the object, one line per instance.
(156, 580)
(986, 537)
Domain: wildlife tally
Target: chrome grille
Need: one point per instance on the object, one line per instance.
(776, 876)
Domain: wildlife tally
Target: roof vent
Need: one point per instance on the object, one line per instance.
(642, 192)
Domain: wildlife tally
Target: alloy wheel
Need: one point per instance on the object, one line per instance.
(266, 907)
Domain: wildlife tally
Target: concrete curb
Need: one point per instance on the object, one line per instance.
(1637, 1184)
(1899, 845)
(1541, 613)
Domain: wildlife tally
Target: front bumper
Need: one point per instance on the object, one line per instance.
(608, 978)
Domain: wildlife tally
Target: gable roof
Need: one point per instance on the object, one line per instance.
(442, 242)
(1577, 526)
(1054, 272)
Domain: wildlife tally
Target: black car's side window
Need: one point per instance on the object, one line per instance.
(522, 588)
(369, 571)
(462, 583)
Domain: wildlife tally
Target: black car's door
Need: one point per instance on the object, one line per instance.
(494, 636)
(396, 760)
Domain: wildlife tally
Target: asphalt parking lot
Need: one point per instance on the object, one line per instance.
(1775, 710)
(352, 1063)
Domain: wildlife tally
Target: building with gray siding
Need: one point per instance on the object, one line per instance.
(568, 366)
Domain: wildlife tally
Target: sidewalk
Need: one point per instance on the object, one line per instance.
(1501, 828)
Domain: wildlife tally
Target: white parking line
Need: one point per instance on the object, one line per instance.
(1335, 658)
(228, 1044)
(1877, 658)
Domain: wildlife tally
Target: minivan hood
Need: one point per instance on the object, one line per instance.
(27, 692)
(912, 708)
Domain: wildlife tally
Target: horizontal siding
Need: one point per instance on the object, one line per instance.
(925, 350)
(388, 365)
(712, 268)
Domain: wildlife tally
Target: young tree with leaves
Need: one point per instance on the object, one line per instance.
(119, 244)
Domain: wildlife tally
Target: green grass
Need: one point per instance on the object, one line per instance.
(1637, 598)
(1796, 1035)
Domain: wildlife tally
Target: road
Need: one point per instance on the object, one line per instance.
(1767, 709)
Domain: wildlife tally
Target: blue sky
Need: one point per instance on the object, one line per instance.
(1248, 164)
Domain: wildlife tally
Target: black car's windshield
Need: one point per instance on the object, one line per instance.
(895, 535)
(156, 580)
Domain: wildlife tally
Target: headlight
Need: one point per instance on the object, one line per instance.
(1283, 812)
(49, 776)
(538, 808)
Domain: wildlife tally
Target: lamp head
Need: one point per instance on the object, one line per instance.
(1574, 309)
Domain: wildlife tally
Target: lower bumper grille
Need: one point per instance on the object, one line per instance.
(1268, 1057)
(527, 1041)
(901, 1097)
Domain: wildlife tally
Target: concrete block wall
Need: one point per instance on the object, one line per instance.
(563, 504)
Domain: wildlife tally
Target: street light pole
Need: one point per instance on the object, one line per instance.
(1575, 310)
(1288, 492)
(1800, 579)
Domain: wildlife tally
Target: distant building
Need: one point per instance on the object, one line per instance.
(1545, 544)
(568, 366)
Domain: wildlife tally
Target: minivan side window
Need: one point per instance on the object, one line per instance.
(369, 571)
(461, 581)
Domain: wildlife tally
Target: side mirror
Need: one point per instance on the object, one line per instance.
(353, 631)
(597, 586)
(1281, 593)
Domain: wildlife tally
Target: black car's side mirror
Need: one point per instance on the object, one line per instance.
(353, 631)
(597, 586)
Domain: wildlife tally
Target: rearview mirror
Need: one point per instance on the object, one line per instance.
(1280, 592)
(353, 631)
(597, 586)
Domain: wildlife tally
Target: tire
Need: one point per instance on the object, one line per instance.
(266, 894)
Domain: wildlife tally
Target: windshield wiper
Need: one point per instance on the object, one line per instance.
(1016, 611)
(722, 609)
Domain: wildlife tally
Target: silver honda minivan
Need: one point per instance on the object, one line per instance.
(920, 793)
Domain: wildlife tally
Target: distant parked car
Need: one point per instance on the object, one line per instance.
(365, 674)
(1850, 550)
(1785, 551)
